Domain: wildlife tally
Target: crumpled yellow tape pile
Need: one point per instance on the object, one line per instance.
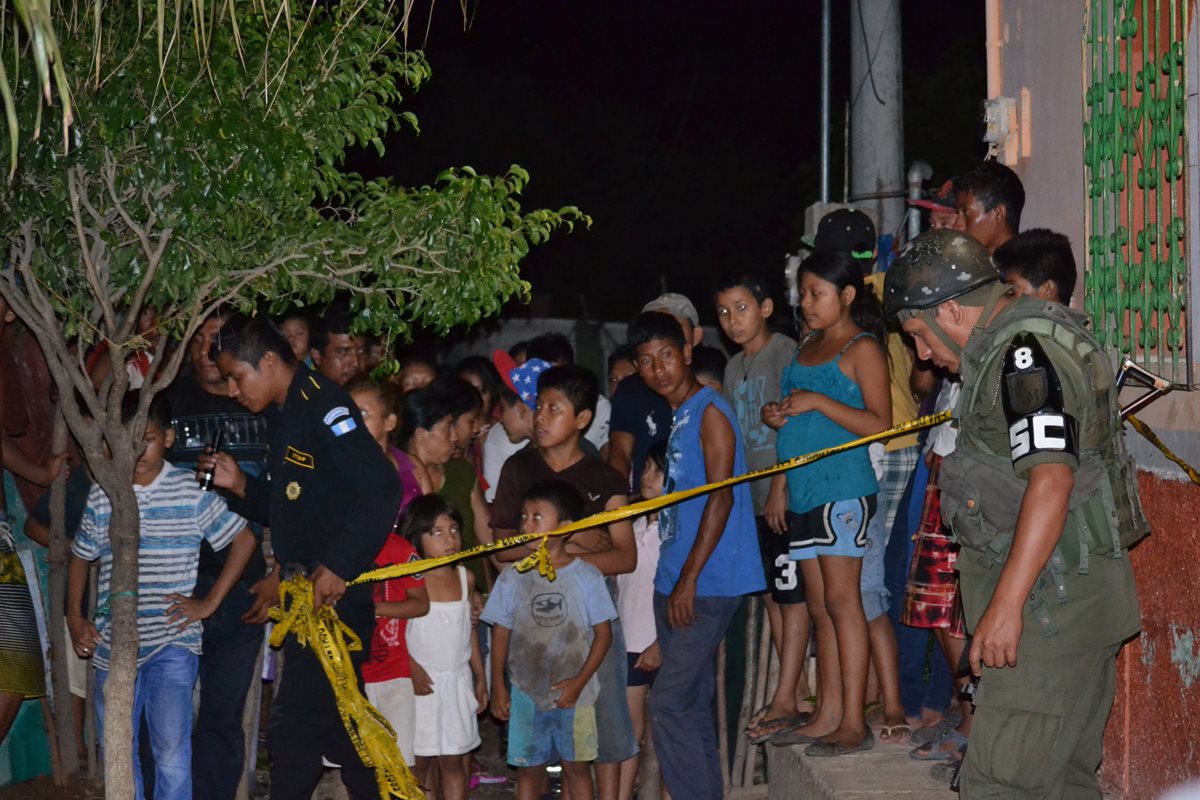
(374, 740)
(332, 640)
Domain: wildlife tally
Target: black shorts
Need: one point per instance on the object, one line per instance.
(638, 677)
(784, 579)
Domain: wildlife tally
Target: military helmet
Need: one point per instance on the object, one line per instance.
(936, 266)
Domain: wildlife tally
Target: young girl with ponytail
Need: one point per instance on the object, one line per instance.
(835, 390)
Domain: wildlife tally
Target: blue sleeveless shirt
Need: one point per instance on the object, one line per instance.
(735, 567)
(839, 477)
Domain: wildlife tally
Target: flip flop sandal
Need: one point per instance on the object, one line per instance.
(822, 749)
(776, 725)
(756, 719)
(934, 751)
(895, 734)
(790, 737)
(932, 733)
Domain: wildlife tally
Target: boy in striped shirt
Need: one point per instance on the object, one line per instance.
(176, 515)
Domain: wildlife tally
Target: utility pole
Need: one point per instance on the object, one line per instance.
(877, 183)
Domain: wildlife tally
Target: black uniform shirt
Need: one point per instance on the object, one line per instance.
(330, 494)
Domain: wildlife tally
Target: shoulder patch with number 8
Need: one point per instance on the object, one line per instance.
(1038, 421)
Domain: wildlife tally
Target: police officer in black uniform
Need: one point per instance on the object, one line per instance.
(330, 498)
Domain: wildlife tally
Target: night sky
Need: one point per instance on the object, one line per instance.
(688, 131)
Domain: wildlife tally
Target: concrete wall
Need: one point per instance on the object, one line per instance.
(1151, 743)
(1041, 53)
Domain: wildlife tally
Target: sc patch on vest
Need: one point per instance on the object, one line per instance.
(1033, 402)
(299, 458)
(339, 421)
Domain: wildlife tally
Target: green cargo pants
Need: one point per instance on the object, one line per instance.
(1038, 728)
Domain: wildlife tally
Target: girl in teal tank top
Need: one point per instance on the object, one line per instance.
(836, 390)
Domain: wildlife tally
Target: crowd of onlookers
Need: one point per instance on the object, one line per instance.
(848, 551)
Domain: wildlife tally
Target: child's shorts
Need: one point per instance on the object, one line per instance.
(638, 677)
(834, 529)
(397, 702)
(785, 581)
(538, 737)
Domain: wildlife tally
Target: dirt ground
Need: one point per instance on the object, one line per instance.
(489, 755)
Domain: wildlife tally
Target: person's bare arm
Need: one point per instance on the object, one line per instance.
(501, 702)
(620, 452)
(620, 556)
(415, 605)
(1039, 527)
(477, 668)
(84, 636)
(776, 508)
(602, 637)
(39, 474)
(718, 442)
(184, 610)
(867, 366)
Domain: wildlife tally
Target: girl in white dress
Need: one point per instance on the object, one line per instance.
(447, 667)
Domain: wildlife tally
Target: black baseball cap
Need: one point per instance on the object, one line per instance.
(845, 230)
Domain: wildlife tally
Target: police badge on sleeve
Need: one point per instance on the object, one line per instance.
(1033, 403)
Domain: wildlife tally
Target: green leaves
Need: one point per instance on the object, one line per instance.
(230, 157)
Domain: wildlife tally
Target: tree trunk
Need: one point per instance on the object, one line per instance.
(59, 552)
(124, 536)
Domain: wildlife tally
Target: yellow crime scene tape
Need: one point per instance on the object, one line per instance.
(1152, 437)
(333, 641)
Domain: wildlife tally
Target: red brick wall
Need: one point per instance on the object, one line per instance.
(1153, 736)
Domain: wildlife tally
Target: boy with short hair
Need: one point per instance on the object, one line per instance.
(989, 199)
(709, 558)
(752, 379)
(1039, 263)
(708, 365)
(176, 516)
(516, 416)
(640, 416)
(552, 636)
(566, 396)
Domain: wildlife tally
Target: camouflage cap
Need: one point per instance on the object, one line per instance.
(936, 266)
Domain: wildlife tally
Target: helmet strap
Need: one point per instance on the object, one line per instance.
(995, 292)
(929, 317)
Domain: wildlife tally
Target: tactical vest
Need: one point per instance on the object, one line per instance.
(981, 494)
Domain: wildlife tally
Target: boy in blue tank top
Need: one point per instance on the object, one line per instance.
(708, 561)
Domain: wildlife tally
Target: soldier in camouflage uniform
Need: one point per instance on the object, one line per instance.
(1042, 498)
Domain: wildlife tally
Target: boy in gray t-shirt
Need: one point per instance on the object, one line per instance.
(752, 379)
(552, 636)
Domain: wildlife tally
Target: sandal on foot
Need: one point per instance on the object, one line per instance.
(895, 734)
(944, 771)
(767, 728)
(756, 718)
(931, 733)
(823, 749)
(790, 737)
(935, 751)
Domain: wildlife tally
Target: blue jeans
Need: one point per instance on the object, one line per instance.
(681, 703)
(163, 692)
(227, 671)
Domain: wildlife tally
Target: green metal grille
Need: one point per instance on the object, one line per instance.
(1135, 163)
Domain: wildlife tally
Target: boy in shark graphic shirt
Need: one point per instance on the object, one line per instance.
(552, 636)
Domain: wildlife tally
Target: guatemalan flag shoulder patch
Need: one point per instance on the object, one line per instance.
(339, 421)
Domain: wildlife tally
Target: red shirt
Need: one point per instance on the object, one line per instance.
(389, 650)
